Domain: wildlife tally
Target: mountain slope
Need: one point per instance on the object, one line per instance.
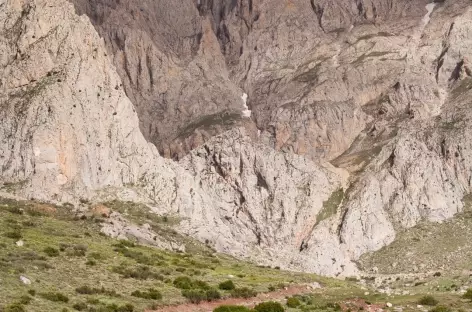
(380, 89)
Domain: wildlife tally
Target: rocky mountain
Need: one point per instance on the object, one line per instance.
(305, 133)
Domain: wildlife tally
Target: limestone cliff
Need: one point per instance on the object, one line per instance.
(361, 107)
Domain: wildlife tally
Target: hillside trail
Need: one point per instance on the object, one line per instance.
(278, 296)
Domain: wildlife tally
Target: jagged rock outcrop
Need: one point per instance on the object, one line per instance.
(281, 198)
(70, 132)
(67, 126)
(172, 70)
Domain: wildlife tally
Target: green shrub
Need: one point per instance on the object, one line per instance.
(151, 293)
(114, 308)
(468, 294)
(243, 292)
(231, 308)
(93, 301)
(183, 282)
(136, 255)
(126, 308)
(87, 290)
(51, 251)
(269, 306)
(201, 285)
(32, 292)
(441, 308)
(293, 302)
(193, 295)
(13, 235)
(428, 300)
(80, 306)
(15, 307)
(15, 210)
(25, 299)
(212, 294)
(91, 262)
(96, 255)
(227, 285)
(77, 251)
(125, 243)
(56, 297)
(142, 272)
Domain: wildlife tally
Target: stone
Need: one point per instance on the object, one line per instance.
(101, 211)
(25, 280)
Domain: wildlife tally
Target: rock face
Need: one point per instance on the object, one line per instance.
(66, 122)
(172, 69)
(273, 201)
(380, 89)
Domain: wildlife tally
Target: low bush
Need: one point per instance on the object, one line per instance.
(440, 308)
(25, 299)
(80, 306)
(428, 300)
(194, 295)
(151, 293)
(212, 294)
(183, 282)
(468, 294)
(199, 295)
(293, 302)
(201, 285)
(231, 308)
(15, 307)
(227, 285)
(269, 306)
(243, 292)
(32, 292)
(140, 272)
(56, 297)
(96, 255)
(77, 251)
(13, 235)
(91, 262)
(15, 210)
(93, 301)
(87, 290)
(51, 251)
(138, 256)
(112, 308)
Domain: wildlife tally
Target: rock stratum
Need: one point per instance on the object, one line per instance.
(304, 133)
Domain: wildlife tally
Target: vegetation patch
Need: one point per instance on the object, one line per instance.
(151, 293)
(330, 206)
(269, 306)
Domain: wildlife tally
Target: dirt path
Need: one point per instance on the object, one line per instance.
(209, 306)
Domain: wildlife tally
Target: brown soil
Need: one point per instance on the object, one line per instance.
(209, 306)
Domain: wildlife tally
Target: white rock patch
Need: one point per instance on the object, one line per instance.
(246, 112)
(429, 7)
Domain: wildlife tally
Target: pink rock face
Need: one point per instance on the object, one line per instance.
(182, 65)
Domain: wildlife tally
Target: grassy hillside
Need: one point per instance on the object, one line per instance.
(69, 262)
(69, 265)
